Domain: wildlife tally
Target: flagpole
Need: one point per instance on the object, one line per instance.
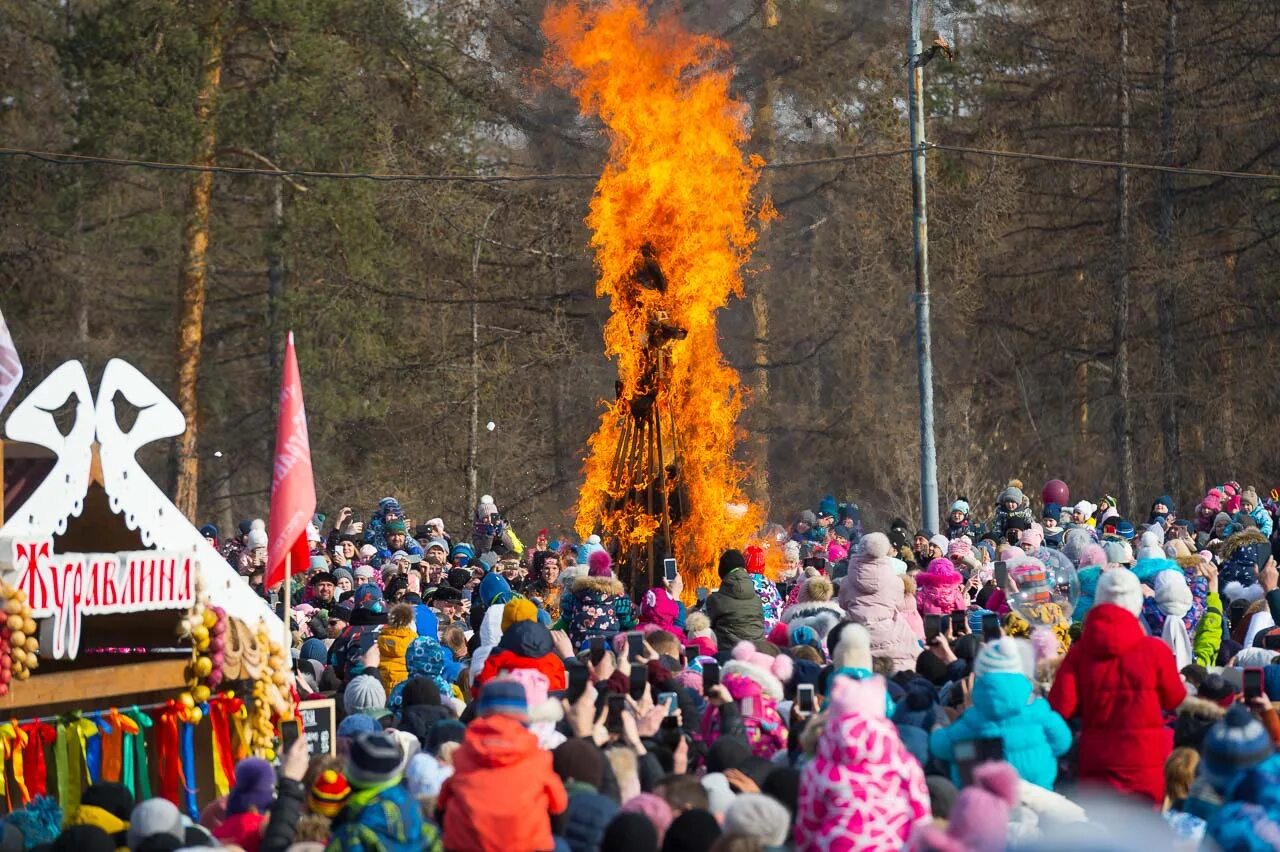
(288, 621)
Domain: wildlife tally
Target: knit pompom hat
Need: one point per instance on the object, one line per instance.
(1120, 586)
(329, 793)
(770, 673)
(600, 564)
(1235, 743)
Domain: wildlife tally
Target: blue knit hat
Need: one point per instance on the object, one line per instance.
(960, 506)
(1052, 510)
(358, 723)
(1235, 743)
(503, 696)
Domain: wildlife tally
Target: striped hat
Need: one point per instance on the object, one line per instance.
(374, 759)
(505, 696)
(1235, 743)
(329, 793)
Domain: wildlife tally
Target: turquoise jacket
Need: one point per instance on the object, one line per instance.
(1034, 735)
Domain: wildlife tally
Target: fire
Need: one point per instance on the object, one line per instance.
(677, 187)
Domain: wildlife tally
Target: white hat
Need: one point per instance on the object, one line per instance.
(1000, 656)
(853, 651)
(1172, 593)
(1120, 586)
(365, 571)
(258, 524)
(313, 534)
(367, 550)
(1084, 507)
(256, 539)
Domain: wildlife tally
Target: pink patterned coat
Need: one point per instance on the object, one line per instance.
(863, 790)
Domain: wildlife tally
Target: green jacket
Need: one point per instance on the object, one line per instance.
(1208, 636)
(735, 610)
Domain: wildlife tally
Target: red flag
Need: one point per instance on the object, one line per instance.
(293, 489)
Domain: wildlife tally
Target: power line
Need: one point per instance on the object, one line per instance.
(1107, 164)
(60, 159)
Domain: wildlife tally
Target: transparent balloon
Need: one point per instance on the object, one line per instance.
(1044, 595)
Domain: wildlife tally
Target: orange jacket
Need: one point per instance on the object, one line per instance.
(503, 791)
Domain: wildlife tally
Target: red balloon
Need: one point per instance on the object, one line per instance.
(1056, 491)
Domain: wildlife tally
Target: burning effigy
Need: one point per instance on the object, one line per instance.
(671, 222)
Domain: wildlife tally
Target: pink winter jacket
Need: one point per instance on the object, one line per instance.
(871, 594)
(940, 589)
(863, 790)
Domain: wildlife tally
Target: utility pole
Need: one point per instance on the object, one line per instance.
(920, 233)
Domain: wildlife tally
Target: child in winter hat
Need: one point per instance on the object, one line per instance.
(1120, 586)
(862, 789)
(754, 680)
(940, 589)
(1034, 735)
(328, 793)
(393, 641)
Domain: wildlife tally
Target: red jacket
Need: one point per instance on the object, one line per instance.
(503, 791)
(1118, 681)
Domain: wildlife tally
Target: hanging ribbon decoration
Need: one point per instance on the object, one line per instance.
(112, 735)
(93, 749)
(222, 709)
(39, 736)
(136, 773)
(13, 739)
(168, 744)
(69, 759)
(189, 762)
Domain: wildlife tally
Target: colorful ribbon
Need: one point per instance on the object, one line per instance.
(39, 736)
(13, 740)
(222, 710)
(189, 768)
(136, 774)
(167, 718)
(112, 735)
(93, 749)
(69, 758)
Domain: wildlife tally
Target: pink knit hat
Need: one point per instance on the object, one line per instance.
(960, 547)
(601, 564)
(1033, 536)
(1213, 500)
(979, 819)
(653, 808)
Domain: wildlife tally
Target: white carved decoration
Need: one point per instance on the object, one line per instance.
(131, 492)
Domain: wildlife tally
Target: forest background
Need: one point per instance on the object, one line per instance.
(1113, 327)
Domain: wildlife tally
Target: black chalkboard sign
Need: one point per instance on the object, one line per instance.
(319, 725)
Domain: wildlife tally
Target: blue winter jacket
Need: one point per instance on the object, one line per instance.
(1034, 735)
(1088, 577)
(1261, 517)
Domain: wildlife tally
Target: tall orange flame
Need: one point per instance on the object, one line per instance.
(676, 181)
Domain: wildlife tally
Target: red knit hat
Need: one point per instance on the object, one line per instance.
(329, 793)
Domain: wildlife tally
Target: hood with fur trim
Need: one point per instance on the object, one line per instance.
(599, 585)
(767, 672)
(1238, 540)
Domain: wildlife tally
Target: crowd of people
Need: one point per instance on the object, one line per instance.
(882, 690)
